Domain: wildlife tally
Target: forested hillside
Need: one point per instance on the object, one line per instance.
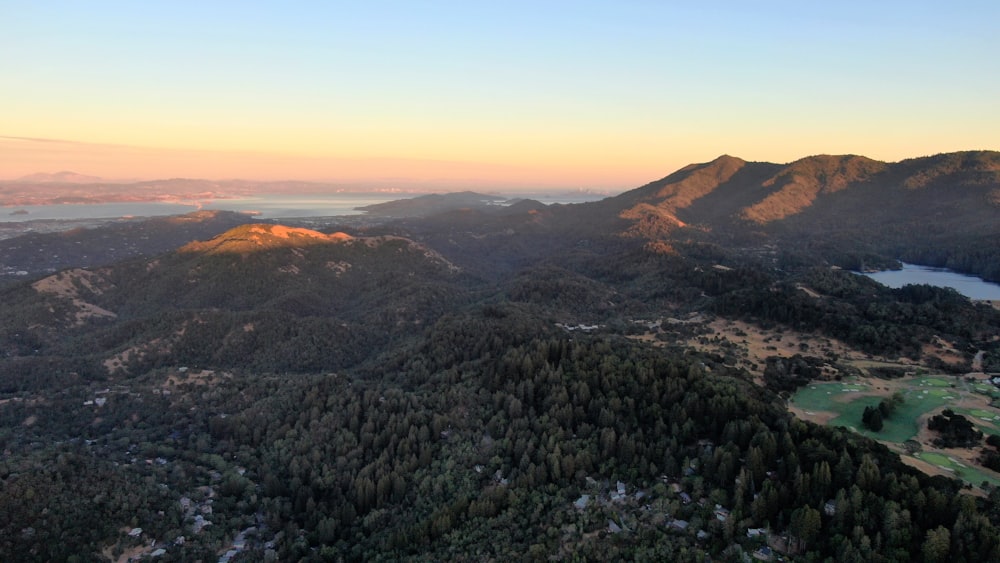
(473, 443)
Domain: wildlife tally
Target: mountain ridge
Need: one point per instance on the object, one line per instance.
(770, 193)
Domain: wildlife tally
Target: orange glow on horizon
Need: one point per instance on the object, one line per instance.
(22, 156)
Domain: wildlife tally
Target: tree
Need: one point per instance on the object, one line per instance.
(912, 446)
(937, 545)
(872, 417)
(805, 525)
(868, 476)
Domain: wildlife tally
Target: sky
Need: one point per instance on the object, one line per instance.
(541, 94)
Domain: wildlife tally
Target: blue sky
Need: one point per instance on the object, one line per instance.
(557, 93)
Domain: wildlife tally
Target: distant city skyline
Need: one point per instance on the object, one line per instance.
(596, 95)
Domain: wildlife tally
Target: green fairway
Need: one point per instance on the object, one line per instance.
(940, 460)
(988, 416)
(958, 469)
(931, 382)
(899, 427)
(987, 421)
(847, 401)
(985, 389)
(824, 396)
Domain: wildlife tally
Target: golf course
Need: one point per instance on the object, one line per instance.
(842, 403)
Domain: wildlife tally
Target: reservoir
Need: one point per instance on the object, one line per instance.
(969, 286)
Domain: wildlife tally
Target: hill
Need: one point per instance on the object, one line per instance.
(257, 296)
(431, 204)
(38, 253)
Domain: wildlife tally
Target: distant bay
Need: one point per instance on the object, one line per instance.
(83, 211)
(264, 206)
(269, 206)
(969, 286)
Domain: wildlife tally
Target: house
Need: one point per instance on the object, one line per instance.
(135, 532)
(679, 524)
(756, 532)
(619, 493)
(830, 508)
(158, 553)
(685, 498)
(199, 523)
(763, 553)
(613, 527)
(582, 502)
(721, 514)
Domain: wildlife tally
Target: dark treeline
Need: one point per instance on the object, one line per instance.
(864, 313)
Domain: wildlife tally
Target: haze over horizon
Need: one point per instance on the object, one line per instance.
(562, 95)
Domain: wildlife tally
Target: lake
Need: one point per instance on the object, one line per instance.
(969, 286)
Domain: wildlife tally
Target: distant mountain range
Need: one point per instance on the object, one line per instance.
(64, 177)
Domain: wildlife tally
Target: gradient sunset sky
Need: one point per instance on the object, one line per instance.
(605, 95)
